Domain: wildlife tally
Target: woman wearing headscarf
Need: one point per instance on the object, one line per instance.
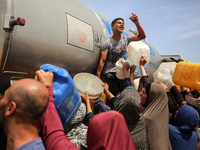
(182, 134)
(128, 104)
(156, 113)
(108, 131)
(76, 131)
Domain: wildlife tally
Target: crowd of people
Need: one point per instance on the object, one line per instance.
(152, 117)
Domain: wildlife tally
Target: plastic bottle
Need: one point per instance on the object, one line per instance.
(66, 97)
(136, 50)
(187, 74)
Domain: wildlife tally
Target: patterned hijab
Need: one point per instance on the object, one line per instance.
(156, 115)
(76, 131)
(128, 105)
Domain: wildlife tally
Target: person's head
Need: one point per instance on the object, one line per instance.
(195, 93)
(105, 131)
(187, 118)
(118, 25)
(25, 101)
(190, 94)
(152, 92)
(144, 94)
(128, 105)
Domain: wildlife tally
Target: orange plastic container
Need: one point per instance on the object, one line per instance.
(187, 74)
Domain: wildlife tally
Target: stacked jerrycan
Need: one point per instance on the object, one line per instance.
(164, 73)
(187, 74)
(135, 51)
(66, 97)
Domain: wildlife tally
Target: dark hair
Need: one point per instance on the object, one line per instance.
(195, 92)
(115, 20)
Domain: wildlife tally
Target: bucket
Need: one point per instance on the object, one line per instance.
(187, 74)
(66, 97)
(89, 82)
(119, 69)
(136, 50)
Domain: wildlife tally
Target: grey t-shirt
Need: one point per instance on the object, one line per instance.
(115, 49)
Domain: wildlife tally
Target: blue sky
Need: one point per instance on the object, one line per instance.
(171, 26)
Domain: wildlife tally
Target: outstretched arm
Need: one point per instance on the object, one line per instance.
(51, 128)
(86, 100)
(89, 114)
(107, 92)
(126, 68)
(144, 78)
(141, 34)
(143, 61)
(133, 67)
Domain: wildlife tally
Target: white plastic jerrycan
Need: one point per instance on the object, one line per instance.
(119, 69)
(164, 73)
(170, 65)
(136, 50)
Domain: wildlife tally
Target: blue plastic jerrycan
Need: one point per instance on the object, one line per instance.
(66, 97)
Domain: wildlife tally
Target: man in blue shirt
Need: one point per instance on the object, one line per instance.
(20, 110)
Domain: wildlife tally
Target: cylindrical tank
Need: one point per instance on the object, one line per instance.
(64, 33)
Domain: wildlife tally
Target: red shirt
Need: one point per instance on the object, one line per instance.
(51, 128)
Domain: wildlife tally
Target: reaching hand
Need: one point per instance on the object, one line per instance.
(143, 60)
(126, 67)
(163, 85)
(106, 87)
(45, 78)
(133, 67)
(85, 97)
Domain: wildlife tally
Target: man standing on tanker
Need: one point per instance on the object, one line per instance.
(113, 49)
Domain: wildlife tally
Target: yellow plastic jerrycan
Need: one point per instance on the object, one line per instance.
(187, 74)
